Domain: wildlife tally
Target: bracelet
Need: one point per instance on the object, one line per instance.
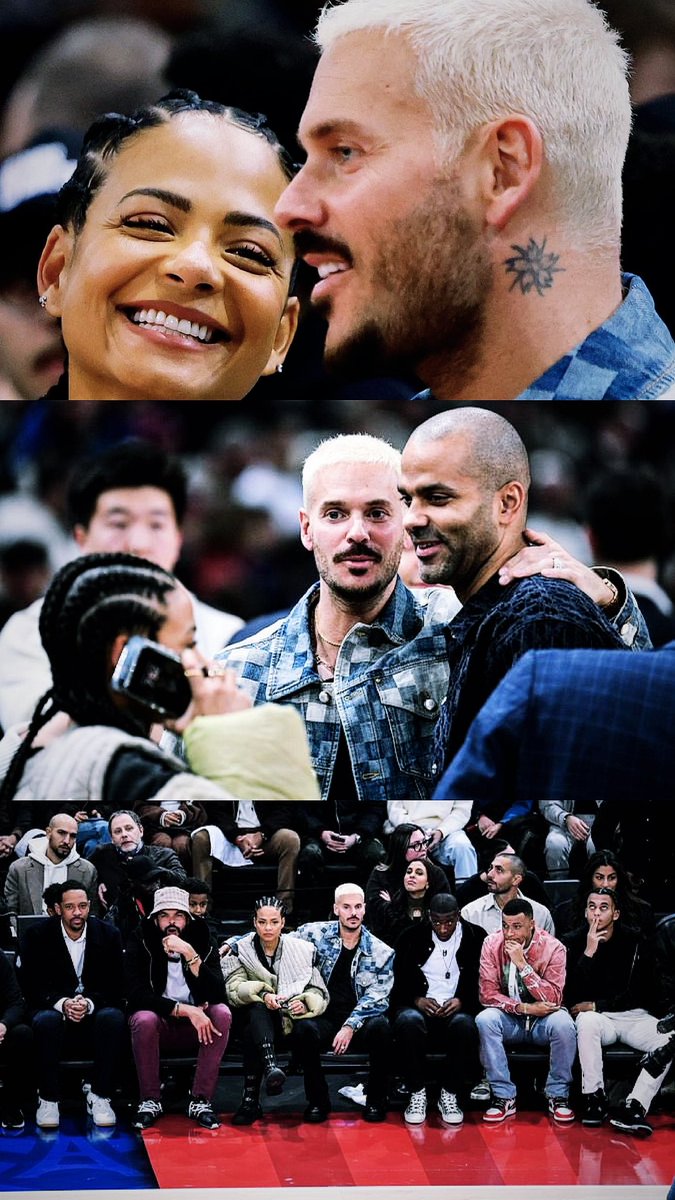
(614, 592)
(176, 1007)
(190, 961)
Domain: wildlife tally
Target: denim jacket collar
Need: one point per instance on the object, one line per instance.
(631, 356)
(398, 623)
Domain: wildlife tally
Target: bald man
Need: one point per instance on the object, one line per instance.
(51, 858)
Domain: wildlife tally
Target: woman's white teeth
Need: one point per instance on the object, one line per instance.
(150, 316)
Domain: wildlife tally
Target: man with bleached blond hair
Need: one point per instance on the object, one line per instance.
(461, 200)
(360, 656)
(358, 970)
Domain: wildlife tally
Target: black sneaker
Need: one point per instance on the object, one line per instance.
(147, 1113)
(201, 1111)
(630, 1116)
(12, 1117)
(594, 1108)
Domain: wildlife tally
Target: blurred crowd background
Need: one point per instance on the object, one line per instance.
(614, 462)
(64, 62)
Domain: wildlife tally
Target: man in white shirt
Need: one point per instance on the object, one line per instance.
(71, 976)
(503, 880)
(435, 1000)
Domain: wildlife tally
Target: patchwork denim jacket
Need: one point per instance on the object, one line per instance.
(372, 968)
(390, 680)
(631, 356)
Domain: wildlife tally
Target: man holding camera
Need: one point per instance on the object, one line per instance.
(130, 872)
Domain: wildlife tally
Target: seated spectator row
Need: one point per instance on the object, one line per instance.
(452, 986)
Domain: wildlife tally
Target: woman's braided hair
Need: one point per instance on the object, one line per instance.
(89, 602)
(106, 136)
(269, 902)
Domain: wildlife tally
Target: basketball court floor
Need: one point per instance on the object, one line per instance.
(345, 1157)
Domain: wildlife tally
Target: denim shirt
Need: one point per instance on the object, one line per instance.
(630, 357)
(372, 968)
(390, 679)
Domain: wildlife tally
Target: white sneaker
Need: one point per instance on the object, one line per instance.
(47, 1115)
(481, 1092)
(416, 1111)
(449, 1109)
(100, 1110)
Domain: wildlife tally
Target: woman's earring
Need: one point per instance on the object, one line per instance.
(43, 300)
(280, 367)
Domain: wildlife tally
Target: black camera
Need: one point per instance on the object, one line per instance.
(153, 676)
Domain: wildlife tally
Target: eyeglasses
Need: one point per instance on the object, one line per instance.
(421, 845)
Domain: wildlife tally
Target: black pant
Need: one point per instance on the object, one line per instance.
(416, 1035)
(263, 1025)
(315, 856)
(315, 1034)
(16, 1055)
(101, 1036)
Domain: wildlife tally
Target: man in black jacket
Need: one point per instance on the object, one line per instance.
(610, 985)
(130, 872)
(71, 973)
(434, 1001)
(177, 1003)
(16, 1049)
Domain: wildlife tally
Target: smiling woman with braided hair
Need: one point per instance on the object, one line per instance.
(167, 269)
(106, 756)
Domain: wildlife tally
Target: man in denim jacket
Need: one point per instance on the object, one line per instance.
(359, 972)
(361, 657)
(462, 204)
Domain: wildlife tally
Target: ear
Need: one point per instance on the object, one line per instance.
(80, 534)
(53, 267)
(511, 500)
(284, 335)
(117, 648)
(512, 154)
(305, 531)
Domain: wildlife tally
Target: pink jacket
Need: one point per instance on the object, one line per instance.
(544, 978)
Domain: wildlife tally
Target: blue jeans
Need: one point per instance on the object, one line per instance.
(456, 848)
(496, 1029)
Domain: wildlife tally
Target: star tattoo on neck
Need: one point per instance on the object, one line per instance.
(532, 267)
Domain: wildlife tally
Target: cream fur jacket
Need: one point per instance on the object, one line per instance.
(247, 979)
